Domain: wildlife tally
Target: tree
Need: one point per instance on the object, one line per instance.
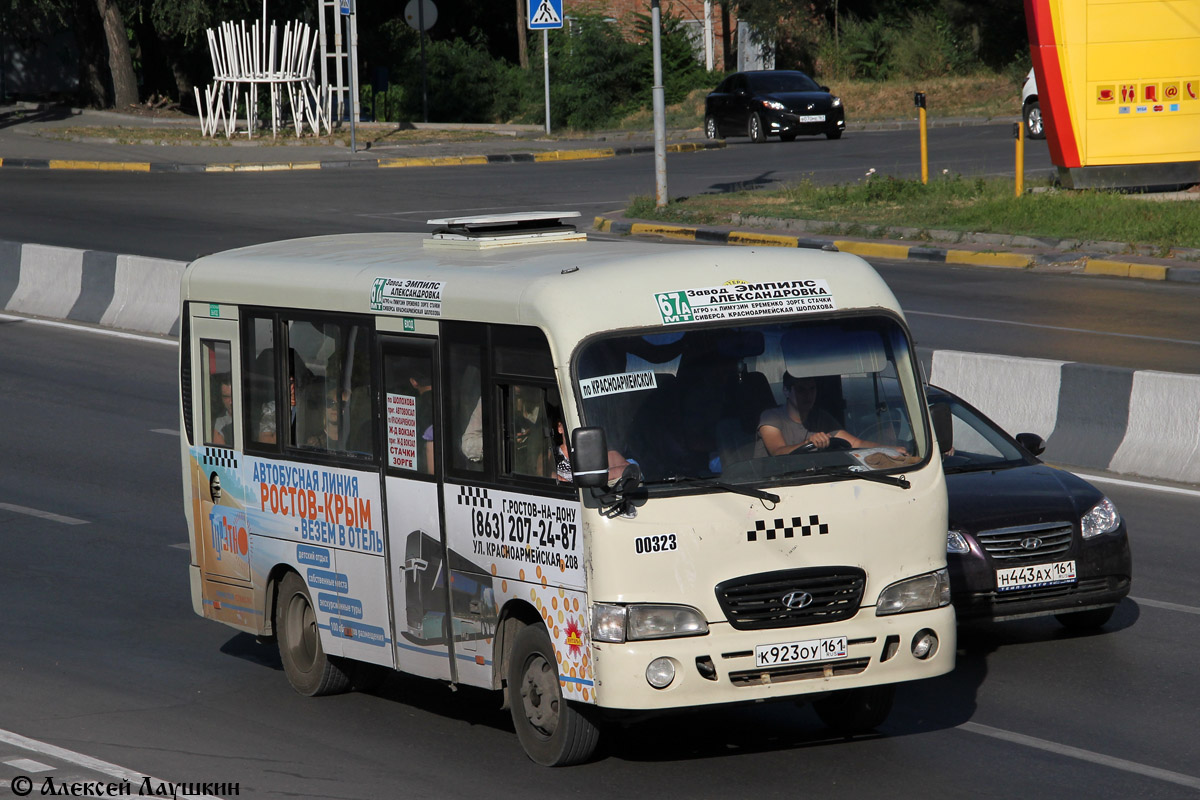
(120, 60)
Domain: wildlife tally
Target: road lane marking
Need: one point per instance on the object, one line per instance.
(84, 761)
(29, 765)
(1083, 755)
(50, 323)
(33, 512)
(165, 431)
(1138, 484)
(909, 312)
(1141, 601)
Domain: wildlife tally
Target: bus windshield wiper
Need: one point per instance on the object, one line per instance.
(715, 484)
(844, 472)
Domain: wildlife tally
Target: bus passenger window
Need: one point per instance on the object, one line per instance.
(217, 392)
(329, 387)
(259, 382)
(411, 399)
(468, 443)
(527, 435)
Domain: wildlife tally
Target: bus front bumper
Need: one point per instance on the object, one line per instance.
(721, 667)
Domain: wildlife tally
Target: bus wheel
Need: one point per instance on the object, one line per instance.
(852, 711)
(308, 669)
(553, 732)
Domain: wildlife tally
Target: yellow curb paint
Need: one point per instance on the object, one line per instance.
(873, 249)
(106, 166)
(574, 155)
(662, 230)
(599, 223)
(765, 239)
(1013, 260)
(1097, 266)
(685, 147)
(1149, 272)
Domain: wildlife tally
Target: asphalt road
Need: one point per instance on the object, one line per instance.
(102, 655)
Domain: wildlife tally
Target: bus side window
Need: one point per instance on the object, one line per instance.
(216, 392)
(467, 442)
(527, 435)
(329, 387)
(259, 383)
(411, 400)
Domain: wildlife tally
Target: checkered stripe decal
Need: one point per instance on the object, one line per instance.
(219, 457)
(474, 496)
(779, 528)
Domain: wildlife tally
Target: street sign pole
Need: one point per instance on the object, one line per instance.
(543, 15)
(660, 116)
(546, 73)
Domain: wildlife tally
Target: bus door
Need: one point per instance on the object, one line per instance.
(416, 541)
(223, 547)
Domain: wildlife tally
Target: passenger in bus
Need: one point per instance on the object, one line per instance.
(265, 430)
(222, 430)
(799, 423)
(472, 438)
(421, 381)
(332, 435)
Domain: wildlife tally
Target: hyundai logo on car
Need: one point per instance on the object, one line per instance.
(797, 600)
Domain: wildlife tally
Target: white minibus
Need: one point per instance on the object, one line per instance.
(597, 477)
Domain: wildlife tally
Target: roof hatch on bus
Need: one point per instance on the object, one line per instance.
(504, 230)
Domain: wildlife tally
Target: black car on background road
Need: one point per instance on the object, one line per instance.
(764, 103)
(1024, 539)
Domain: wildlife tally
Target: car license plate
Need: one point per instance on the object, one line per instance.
(778, 655)
(811, 118)
(1035, 575)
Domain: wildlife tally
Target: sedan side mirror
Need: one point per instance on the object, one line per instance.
(1032, 442)
(943, 426)
(823, 88)
(589, 458)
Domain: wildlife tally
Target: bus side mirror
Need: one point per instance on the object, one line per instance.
(589, 458)
(943, 426)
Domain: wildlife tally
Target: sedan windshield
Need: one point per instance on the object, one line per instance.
(772, 82)
(757, 403)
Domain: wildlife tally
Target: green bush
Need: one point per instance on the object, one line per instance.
(866, 45)
(465, 84)
(929, 48)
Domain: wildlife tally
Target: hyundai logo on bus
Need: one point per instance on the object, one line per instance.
(797, 600)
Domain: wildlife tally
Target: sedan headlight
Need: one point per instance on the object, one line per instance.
(837, 102)
(1103, 518)
(640, 621)
(931, 590)
(774, 104)
(956, 542)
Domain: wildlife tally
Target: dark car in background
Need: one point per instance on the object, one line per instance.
(762, 103)
(1024, 539)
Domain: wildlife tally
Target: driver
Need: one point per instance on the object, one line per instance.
(798, 423)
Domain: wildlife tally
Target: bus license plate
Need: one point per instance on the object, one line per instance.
(1035, 575)
(778, 655)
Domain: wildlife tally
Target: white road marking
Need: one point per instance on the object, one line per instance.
(1083, 755)
(1137, 484)
(81, 760)
(33, 512)
(909, 312)
(29, 765)
(165, 431)
(1141, 601)
(50, 323)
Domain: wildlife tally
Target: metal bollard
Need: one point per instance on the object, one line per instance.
(919, 102)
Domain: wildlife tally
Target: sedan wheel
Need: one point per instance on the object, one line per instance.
(755, 129)
(711, 130)
(1034, 128)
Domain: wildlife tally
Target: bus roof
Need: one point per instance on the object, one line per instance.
(570, 289)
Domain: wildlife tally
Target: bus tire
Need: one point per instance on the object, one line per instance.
(852, 711)
(309, 670)
(553, 731)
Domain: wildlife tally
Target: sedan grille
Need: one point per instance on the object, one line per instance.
(1027, 544)
(791, 598)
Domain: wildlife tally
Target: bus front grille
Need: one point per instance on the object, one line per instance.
(791, 598)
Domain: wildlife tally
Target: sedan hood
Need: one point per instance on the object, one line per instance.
(1023, 495)
(798, 101)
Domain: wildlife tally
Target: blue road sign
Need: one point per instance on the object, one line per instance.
(344, 7)
(545, 14)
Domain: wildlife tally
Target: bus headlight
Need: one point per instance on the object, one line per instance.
(931, 590)
(639, 621)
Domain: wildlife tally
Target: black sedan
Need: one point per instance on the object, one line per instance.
(764, 103)
(1024, 539)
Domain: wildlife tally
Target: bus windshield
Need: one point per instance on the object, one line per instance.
(757, 403)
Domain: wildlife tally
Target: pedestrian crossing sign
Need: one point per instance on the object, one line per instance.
(544, 14)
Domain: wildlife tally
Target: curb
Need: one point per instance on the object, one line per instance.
(582, 154)
(1090, 264)
(1138, 422)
